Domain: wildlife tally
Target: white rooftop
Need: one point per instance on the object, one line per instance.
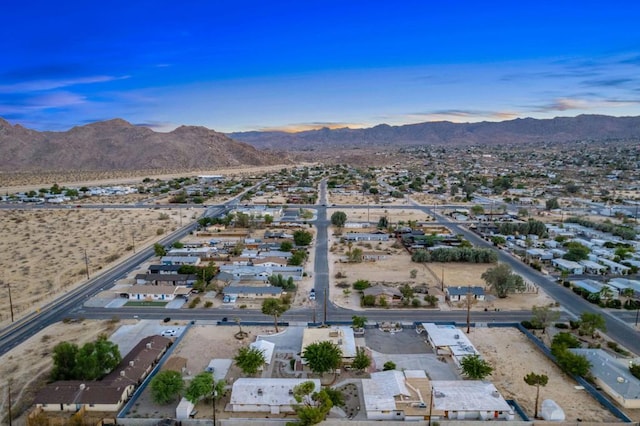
(249, 391)
(381, 389)
(266, 348)
(467, 395)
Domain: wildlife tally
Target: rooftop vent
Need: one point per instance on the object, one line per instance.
(148, 345)
(131, 363)
(259, 391)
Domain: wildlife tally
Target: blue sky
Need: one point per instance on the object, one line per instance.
(234, 65)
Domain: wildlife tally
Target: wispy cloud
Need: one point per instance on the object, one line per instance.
(43, 85)
(568, 104)
(316, 125)
(608, 82)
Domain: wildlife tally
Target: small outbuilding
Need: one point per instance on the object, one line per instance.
(551, 411)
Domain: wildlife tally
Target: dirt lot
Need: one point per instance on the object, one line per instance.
(395, 271)
(42, 252)
(513, 357)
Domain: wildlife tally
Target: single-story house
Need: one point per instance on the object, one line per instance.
(155, 292)
(262, 395)
(446, 339)
(201, 252)
(355, 236)
(372, 256)
(180, 260)
(456, 294)
(391, 295)
(110, 393)
(252, 292)
(613, 376)
(411, 396)
(568, 265)
(614, 267)
(163, 269)
(166, 279)
(591, 267)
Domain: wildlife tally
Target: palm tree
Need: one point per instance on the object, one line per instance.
(537, 380)
(606, 294)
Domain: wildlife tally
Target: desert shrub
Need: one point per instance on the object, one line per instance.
(361, 285)
(561, 325)
(574, 325)
(194, 302)
(614, 303)
(416, 303)
(208, 304)
(159, 231)
(527, 324)
(369, 300)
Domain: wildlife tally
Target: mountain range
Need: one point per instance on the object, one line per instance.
(518, 131)
(119, 145)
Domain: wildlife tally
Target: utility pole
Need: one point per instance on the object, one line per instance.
(9, 396)
(325, 307)
(442, 279)
(11, 301)
(133, 240)
(468, 309)
(86, 263)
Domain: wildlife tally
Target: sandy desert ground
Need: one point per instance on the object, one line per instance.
(374, 213)
(513, 357)
(395, 271)
(26, 181)
(42, 252)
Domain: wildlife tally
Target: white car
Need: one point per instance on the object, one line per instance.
(168, 333)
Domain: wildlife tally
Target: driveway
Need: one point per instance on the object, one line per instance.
(406, 341)
(128, 335)
(289, 340)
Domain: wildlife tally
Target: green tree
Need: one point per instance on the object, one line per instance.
(590, 322)
(322, 356)
(312, 407)
(562, 341)
(383, 222)
(200, 386)
(338, 219)
(575, 364)
(361, 285)
(537, 380)
(552, 204)
(96, 359)
(298, 258)
(475, 368)
(159, 250)
(576, 251)
(543, 316)
(64, 361)
(477, 210)
(361, 361)
(286, 246)
(355, 255)
(502, 281)
(275, 308)
(498, 240)
(389, 365)
(166, 386)
(358, 322)
(90, 362)
(302, 238)
(249, 360)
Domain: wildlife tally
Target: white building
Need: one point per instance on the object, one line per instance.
(448, 340)
(273, 396)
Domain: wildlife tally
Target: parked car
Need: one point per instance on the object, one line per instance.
(168, 333)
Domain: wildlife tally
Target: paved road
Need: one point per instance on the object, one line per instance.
(70, 305)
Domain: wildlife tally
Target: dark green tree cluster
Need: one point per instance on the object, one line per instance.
(338, 219)
(92, 361)
(302, 237)
(454, 254)
(166, 386)
(208, 221)
(285, 284)
(621, 231)
(530, 227)
(298, 258)
(568, 361)
(322, 356)
(576, 251)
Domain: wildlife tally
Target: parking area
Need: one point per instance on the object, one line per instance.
(406, 341)
(128, 335)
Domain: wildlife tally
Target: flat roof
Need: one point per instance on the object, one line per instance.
(612, 371)
(341, 336)
(467, 395)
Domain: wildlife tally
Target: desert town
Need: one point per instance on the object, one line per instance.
(413, 323)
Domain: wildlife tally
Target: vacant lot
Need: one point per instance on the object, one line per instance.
(513, 357)
(46, 252)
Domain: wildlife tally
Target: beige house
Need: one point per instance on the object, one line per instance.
(110, 393)
(391, 295)
(342, 337)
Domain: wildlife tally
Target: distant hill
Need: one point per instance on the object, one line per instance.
(518, 131)
(119, 145)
